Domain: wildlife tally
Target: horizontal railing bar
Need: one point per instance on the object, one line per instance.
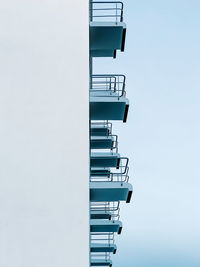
(107, 2)
(113, 75)
(114, 7)
(106, 16)
(99, 9)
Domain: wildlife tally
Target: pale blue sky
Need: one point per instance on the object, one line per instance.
(161, 61)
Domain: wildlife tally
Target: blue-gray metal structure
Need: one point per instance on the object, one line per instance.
(109, 179)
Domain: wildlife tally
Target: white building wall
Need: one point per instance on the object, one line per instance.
(44, 133)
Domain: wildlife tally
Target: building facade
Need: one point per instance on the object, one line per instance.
(61, 175)
(109, 179)
(44, 136)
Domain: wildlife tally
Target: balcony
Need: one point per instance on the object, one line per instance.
(102, 215)
(110, 159)
(98, 172)
(111, 187)
(107, 29)
(108, 97)
(103, 243)
(99, 248)
(103, 142)
(102, 235)
(107, 191)
(101, 262)
(101, 128)
(103, 226)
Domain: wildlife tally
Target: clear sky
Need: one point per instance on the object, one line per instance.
(162, 136)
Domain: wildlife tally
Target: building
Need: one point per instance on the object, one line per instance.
(109, 180)
(61, 175)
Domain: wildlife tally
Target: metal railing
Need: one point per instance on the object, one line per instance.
(112, 84)
(103, 124)
(114, 145)
(111, 177)
(101, 256)
(109, 11)
(102, 238)
(121, 169)
(113, 206)
(108, 238)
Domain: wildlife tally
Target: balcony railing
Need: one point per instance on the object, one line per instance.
(109, 84)
(108, 238)
(102, 125)
(114, 146)
(109, 11)
(116, 175)
(112, 207)
(105, 206)
(101, 256)
(122, 177)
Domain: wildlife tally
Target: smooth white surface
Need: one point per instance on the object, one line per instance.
(43, 134)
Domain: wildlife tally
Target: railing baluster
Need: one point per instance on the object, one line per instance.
(113, 12)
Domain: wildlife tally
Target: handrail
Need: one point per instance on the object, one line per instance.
(112, 206)
(99, 256)
(103, 124)
(114, 145)
(122, 176)
(114, 11)
(123, 166)
(114, 84)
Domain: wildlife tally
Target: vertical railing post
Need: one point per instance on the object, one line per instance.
(116, 13)
(122, 13)
(123, 86)
(91, 11)
(115, 84)
(118, 85)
